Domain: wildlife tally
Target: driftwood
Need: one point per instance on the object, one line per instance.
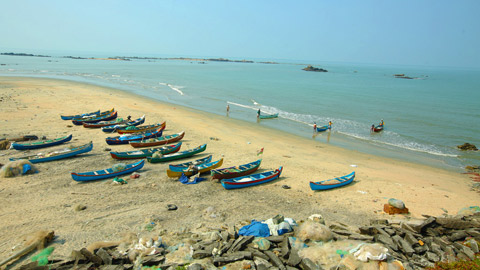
(37, 241)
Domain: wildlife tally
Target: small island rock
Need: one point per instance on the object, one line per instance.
(311, 68)
(467, 146)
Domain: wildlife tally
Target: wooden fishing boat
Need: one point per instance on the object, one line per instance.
(178, 155)
(143, 153)
(158, 140)
(113, 128)
(125, 139)
(202, 168)
(58, 154)
(101, 117)
(378, 128)
(41, 144)
(70, 117)
(117, 121)
(182, 166)
(236, 171)
(333, 183)
(137, 129)
(323, 128)
(251, 180)
(107, 173)
(268, 116)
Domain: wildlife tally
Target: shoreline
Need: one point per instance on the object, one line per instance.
(47, 199)
(341, 140)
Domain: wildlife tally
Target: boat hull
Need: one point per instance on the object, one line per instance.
(159, 141)
(236, 171)
(182, 166)
(104, 116)
(125, 139)
(252, 180)
(70, 117)
(74, 151)
(206, 167)
(333, 183)
(140, 128)
(178, 155)
(144, 153)
(268, 116)
(107, 173)
(41, 144)
(114, 127)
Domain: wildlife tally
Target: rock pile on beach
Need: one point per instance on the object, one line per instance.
(381, 245)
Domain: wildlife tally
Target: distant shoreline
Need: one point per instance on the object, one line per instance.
(129, 58)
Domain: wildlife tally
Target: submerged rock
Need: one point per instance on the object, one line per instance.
(467, 146)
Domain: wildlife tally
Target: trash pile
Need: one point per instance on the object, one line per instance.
(281, 243)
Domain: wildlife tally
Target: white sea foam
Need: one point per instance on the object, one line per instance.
(173, 87)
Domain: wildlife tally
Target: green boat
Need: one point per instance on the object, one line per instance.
(167, 149)
(178, 155)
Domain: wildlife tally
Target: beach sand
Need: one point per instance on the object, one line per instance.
(47, 200)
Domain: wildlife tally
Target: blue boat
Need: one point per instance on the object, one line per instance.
(103, 116)
(107, 173)
(70, 117)
(56, 155)
(268, 116)
(114, 127)
(125, 139)
(323, 128)
(182, 166)
(41, 144)
(333, 183)
(252, 180)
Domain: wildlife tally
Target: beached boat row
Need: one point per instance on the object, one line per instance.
(133, 133)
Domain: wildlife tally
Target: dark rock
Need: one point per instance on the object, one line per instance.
(428, 222)
(286, 187)
(458, 235)
(171, 207)
(421, 249)
(104, 255)
(151, 260)
(257, 253)
(456, 223)
(276, 238)
(232, 257)
(432, 257)
(411, 239)
(200, 254)
(294, 259)
(467, 146)
(406, 247)
(387, 241)
(360, 237)
(195, 266)
(91, 257)
(111, 267)
(241, 243)
(285, 248)
(379, 222)
(275, 260)
(262, 263)
(307, 264)
(311, 68)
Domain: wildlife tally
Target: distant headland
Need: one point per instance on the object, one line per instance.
(129, 58)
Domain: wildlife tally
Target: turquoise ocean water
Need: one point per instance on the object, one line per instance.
(425, 118)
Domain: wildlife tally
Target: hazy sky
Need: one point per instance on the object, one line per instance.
(412, 32)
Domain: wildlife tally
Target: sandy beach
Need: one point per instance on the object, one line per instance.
(47, 200)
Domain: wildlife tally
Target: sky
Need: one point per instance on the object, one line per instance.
(407, 32)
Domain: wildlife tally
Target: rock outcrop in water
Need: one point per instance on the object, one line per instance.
(467, 146)
(311, 68)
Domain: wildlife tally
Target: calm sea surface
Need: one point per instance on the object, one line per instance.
(425, 118)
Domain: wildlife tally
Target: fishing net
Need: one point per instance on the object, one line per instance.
(119, 167)
(17, 167)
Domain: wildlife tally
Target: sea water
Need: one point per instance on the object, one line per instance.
(425, 117)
